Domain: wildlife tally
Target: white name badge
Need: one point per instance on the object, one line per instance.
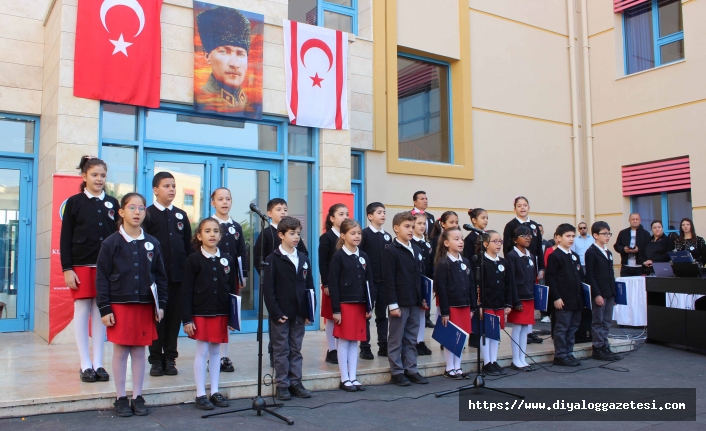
(362, 261)
(387, 237)
(501, 268)
(428, 245)
(531, 263)
(179, 216)
(463, 266)
(231, 230)
(533, 226)
(224, 261)
(420, 257)
(108, 205)
(573, 257)
(691, 248)
(305, 266)
(149, 246)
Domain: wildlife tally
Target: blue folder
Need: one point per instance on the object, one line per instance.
(621, 293)
(491, 324)
(428, 288)
(311, 296)
(452, 337)
(683, 256)
(587, 299)
(234, 312)
(541, 297)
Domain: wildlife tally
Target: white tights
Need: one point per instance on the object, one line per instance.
(347, 359)
(214, 353)
(224, 350)
(453, 362)
(489, 350)
(329, 335)
(137, 360)
(83, 309)
(519, 344)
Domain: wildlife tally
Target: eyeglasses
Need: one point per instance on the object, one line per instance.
(608, 234)
(528, 236)
(497, 241)
(135, 208)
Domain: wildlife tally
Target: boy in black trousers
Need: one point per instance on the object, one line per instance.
(170, 225)
(287, 281)
(564, 277)
(601, 278)
(402, 278)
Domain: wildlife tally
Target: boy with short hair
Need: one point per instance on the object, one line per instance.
(402, 265)
(564, 277)
(276, 209)
(373, 241)
(601, 278)
(288, 278)
(170, 225)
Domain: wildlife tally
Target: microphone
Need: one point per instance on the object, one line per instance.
(257, 211)
(470, 228)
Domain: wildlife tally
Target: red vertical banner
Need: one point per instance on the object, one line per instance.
(61, 304)
(331, 198)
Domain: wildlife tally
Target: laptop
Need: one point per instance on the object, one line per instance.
(663, 269)
(681, 256)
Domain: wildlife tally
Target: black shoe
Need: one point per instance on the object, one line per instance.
(573, 358)
(615, 356)
(565, 362)
(219, 400)
(122, 407)
(138, 406)
(426, 349)
(282, 394)
(366, 353)
(157, 370)
(534, 338)
(473, 341)
(429, 323)
(332, 357)
(358, 386)
(422, 349)
(416, 378)
(490, 370)
(299, 391)
(170, 368)
(500, 369)
(454, 376)
(382, 350)
(601, 355)
(102, 375)
(527, 368)
(350, 388)
(227, 365)
(202, 403)
(400, 380)
(88, 375)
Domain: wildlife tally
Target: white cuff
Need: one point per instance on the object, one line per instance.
(393, 306)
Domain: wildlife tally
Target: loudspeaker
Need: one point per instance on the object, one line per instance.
(583, 334)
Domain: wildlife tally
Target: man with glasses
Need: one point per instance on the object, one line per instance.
(631, 243)
(581, 244)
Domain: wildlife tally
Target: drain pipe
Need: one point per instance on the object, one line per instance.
(588, 126)
(570, 13)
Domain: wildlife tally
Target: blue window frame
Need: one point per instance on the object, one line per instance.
(668, 207)
(358, 186)
(653, 35)
(334, 14)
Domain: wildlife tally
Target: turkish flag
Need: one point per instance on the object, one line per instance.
(316, 74)
(118, 51)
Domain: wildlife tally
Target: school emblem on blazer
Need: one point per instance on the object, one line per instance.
(108, 204)
(428, 245)
(463, 266)
(362, 262)
(305, 268)
(578, 267)
(231, 230)
(534, 232)
(501, 268)
(531, 263)
(180, 226)
(533, 226)
(224, 261)
(179, 216)
(149, 246)
(236, 234)
(111, 214)
(150, 255)
(419, 256)
(387, 237)
(573, 257)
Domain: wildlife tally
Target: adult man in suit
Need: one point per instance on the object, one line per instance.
(420, 206)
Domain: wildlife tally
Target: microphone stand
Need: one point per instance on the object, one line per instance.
(479, 380)
(259, 404)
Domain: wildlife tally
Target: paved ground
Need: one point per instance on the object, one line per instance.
(391, 408)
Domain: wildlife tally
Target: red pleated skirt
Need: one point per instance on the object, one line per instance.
(134, 325)
(500, 313)
(213, 329)
(326, 310)
(524, 317)
(87, 287)
(461, 317)
(352, 325)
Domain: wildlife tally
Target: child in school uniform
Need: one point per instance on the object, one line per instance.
(456, 289)
(327, 247)
(447, 220)
(564, 278)
(288, 281)
(498, 296)
(479, 220)
(373, 241)
(601, 278)
(420, 227)
(521, 206)
(524, 270)
(210, 277)
(402, 277)
(170, 225)
(350, 277)
(129, 268)
(89, 218)
(232, 242)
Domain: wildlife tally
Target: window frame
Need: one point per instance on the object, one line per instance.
(351, 11)
(664, 207)
(358, 188)
(657, 41)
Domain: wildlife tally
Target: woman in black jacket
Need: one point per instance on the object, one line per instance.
(688, 240)
(657, 248)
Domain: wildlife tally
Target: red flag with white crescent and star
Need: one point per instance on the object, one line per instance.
(118, 51)
(316, 75)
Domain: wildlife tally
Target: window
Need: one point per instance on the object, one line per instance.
(122, 165)
(423, 110)
(667, 207)
(119, 122)
(334, 14)
(654, 34)
(358, 186)
(188, 199)
(17, 136)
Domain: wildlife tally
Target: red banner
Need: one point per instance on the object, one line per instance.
(332, 198)
(61, 304)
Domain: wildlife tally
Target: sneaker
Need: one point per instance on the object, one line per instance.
(358, 386)
(416, 378)
(122, 407)
(452, 375)
(565, 362)
(282, 394)
(202, 403)
(348, 388)
(170, 368)
(500, 369)
(366, 353)
(400, 380)
(422, 349)
(429, 323)
(219, 400)
(490, 370)
(102, 375)
(573, 358)
(600, 354)
(533, 338)
(157, 370)
(382, 350)
(138, 406)
(546, 319)
(299, 391)
(426, 349)
(227, 365)
(615, 356)
(88, 375)
(332, 357)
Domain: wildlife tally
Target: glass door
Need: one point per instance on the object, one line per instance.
(15, 224)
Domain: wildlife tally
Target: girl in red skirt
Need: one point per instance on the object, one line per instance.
(327, 247)
(128, 274)
(524, 271)
(210, 277)
(350, 277)
(89, 217)
(456, 290)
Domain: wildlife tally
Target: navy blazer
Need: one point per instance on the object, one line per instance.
(327, 248)
(599, 272)
(173, 231)
(402, 275)
(564, 277)
(373, 244)
(535, 247)
(525, 272)
(286, 286)
(454, 285)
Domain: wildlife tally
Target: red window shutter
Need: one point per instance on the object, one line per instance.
(659, 176)
(621, 5)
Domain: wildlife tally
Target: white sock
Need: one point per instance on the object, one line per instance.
(493, 350)
(214, 353)
(200, 367)
(449, 357)
(352, 360)
(517, 331)
(82, 309)
(422, 325)
(224, 350)
(343, 346)
(97, 335)
(485, 350)
(329, 335)
(526, 330)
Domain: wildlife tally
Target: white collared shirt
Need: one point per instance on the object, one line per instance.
(90, 196)
(128, 238)
(209, 255)
(274, 225)
(452, 257)
(523, 221)
(494, 259)
(408, 247)
(603, 250)
(563, 249)
(161, 207)
(372, 228)
(220, 220)
(338, 234)
(419, 238)
(348, 252)
(294, 257)
(526, 253)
